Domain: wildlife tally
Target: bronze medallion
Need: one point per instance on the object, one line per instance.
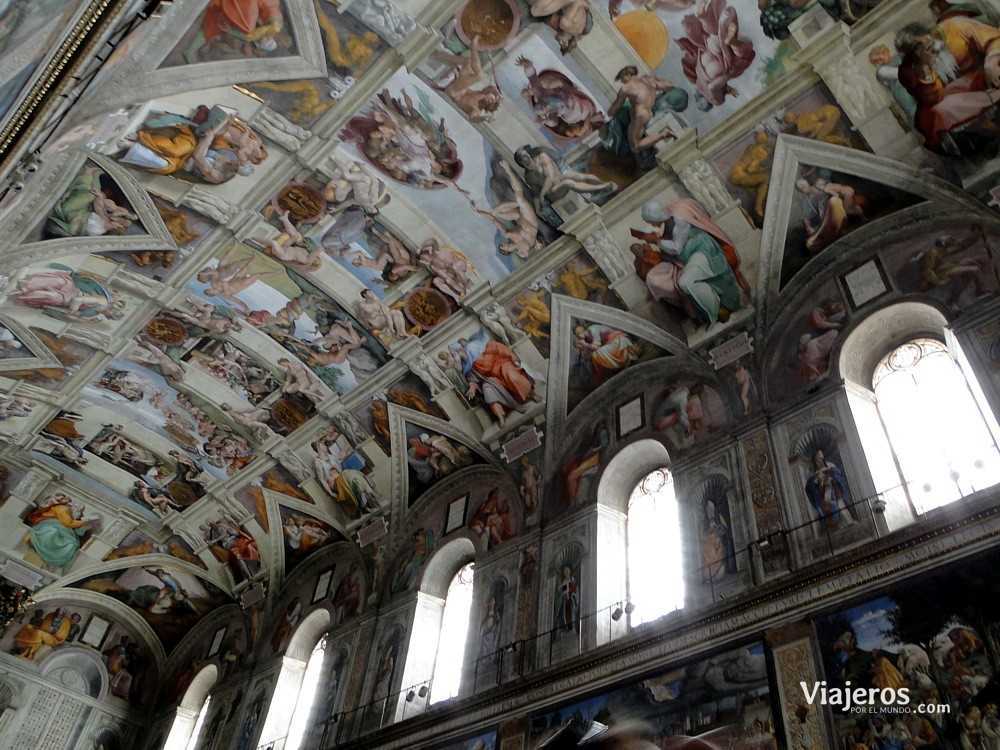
(304, 202)
(495, 22)
(426, 307)
(289, 413)
(181, 493)
(166, 330)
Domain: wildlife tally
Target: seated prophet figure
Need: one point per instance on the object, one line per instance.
(42, 630)
(703, 274)
(210, 146)
(85, 211)
(235, 29)
(495, 372)
(952, 71)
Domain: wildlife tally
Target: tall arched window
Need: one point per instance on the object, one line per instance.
(288, 716)
(941, 440)
(192, 743)
(655, 559)
(435, 652)
(191, 711)
(454, 633)
(299, 725)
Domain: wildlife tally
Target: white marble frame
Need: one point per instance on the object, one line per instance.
(39, 355)
(140, 78)
(792, 151)
(56, 180)
(398, 417)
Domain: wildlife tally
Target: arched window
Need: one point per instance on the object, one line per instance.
(191, 711)
(940, 438)
(917, 409)
(435, 653)
(196, 732)
(655, 559)
(295, 690)
(306, 698)
(454, 634)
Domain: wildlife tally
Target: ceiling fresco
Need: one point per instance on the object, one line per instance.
(296, 278)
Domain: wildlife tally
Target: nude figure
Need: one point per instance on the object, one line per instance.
(751, 171)
(299, 379)
(156, 356)
(187, 469)
(339, 335)
(571, 24)
(521, 239)
(252, 419)
(457, 83)
(535, 314)
(156, 499)
(110, 216)
(379, 317)
(450, 269)
(354, 185)
(640, 92)
(231, 277)
(551, 182)
(205, 316)
(286, 248)
(395, 253)
(530, 483)
(822, 124)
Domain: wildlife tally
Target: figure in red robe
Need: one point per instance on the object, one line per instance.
(493, 371)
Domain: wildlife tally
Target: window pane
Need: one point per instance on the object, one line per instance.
(454, 631)
(196, 732)
(306, 697)
(944, 447)
(655, 562)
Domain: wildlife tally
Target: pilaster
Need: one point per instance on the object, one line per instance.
(825, 46)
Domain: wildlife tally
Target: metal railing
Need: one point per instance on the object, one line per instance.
(767, 558)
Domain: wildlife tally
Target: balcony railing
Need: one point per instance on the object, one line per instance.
(765, 559)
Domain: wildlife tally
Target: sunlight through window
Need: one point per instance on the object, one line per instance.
(454, 631)
(939, 435)
(306, 697)
(655, 567)
(196, 732)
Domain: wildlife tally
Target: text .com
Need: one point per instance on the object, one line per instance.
(867, 700)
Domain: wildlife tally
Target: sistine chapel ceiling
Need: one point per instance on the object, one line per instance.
(293, 272)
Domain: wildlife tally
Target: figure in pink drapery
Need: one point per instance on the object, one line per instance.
(818, 337)
(714, 54)
(692, 212)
